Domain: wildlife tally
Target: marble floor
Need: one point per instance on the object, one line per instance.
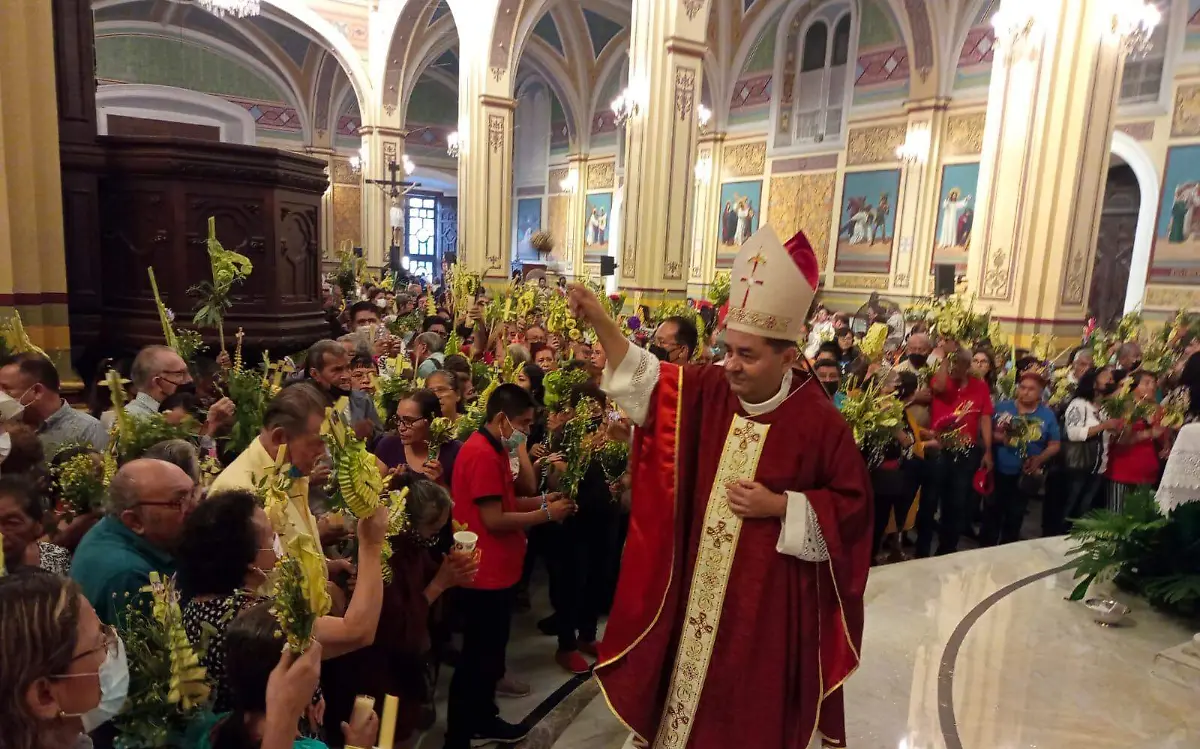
(976, 650)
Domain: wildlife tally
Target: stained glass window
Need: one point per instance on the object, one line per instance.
(420, 245)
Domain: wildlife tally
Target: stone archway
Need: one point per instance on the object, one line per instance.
(1148, 181)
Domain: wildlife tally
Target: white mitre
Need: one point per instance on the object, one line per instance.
(772, 286)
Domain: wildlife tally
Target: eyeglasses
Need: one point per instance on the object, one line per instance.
(408, 422)
(176, 503)
(109, 644)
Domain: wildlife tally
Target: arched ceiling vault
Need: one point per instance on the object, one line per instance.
(302, 61)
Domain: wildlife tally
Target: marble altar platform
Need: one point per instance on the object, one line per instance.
(976, 650)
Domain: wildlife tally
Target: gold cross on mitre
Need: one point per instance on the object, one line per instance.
(751, 279)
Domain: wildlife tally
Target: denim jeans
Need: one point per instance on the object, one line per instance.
(949, 490)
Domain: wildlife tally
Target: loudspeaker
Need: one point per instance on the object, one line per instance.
(943, 279)
(608, 265)
(394, 255)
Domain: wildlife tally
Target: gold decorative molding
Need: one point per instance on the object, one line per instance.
(558, 208)
(745, 160)
(495, 132)
(902, 280)
(693, 8)
(1077, 265)
(860, 281)
(1173, 298)
(556, 177)
(685, 93)
(1185, 120)
(874, 145)
(601, 175)
(964, 134)
(343, 174)
(347, 215)
(804, 202)
(996, 274)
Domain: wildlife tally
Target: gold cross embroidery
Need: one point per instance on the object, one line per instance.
(719, 535)
(751, 279)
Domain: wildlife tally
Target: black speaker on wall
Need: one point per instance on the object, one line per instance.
(608, 265)
(943, 279)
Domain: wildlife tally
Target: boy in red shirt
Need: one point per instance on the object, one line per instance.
(965, 400)
(485, 501)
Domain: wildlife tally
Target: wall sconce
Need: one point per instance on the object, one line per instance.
(1016, 22)
(915, 149)
(624, 107)
(569, 183)
(359, 160)
(704, 116)
(704, 168)
(452, 144)
(1134, 22)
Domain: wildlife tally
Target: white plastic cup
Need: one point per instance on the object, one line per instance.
(464, 541)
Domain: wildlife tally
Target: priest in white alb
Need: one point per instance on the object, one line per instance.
(738, 614)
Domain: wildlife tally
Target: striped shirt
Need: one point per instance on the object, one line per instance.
(70, 425)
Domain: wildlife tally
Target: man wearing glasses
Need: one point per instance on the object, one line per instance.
(158, 373)
(144, 512)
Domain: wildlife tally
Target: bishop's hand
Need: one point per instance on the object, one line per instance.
(584, 304)
(750, 499)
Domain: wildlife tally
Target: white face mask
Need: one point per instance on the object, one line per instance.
(5, 446)
(114, 689)
(10, 408)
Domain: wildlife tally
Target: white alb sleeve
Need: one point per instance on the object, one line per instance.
(632, 383)
(800, 535)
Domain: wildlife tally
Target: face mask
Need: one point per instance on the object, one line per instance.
(10, 408)
(831, 387)
(918, 360)
(338, 392)
(514, 441)
(659, 352)
(5, 446)
(188, 388)
(114, 688)
(1108, 389)
(381, 303)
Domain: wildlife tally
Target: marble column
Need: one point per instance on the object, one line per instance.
(706, 213)
(666, 51)
(1051, 107)
(33, 275)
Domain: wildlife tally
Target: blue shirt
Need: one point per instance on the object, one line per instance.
(112, 564)
(1008, 459)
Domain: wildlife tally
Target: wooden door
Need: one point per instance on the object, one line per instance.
(1114, 247)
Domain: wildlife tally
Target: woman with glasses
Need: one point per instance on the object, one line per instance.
(62, 673)
(445, 386)
(408, 449)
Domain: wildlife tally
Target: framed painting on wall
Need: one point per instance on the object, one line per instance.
(956, 215)
(595, 225)
(529, 222)
(867, 229)
(741, 205)
(1176, 255)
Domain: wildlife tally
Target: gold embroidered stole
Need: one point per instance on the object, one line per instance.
(710, 579)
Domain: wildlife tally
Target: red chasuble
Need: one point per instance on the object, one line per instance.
(788, 632)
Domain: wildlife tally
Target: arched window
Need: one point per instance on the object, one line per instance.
(820, 94)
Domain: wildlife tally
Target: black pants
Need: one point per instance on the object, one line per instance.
(1081, 490)
(894, 491)
(1004, 511)
(487, 618)
(579, 574)
(947, 493)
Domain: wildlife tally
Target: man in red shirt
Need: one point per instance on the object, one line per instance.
(485, 502)
(962, 402)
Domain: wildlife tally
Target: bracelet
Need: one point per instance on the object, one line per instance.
(546, 508)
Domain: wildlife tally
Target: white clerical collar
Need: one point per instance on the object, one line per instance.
(772, 403)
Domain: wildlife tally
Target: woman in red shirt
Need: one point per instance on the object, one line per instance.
(1133, 455)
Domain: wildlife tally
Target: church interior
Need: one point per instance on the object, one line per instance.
(1041, 155)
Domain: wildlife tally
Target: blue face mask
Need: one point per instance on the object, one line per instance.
(513, 442)
(294, 472)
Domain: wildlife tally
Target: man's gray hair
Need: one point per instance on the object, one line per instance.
(147, 365)
(432, 341)
(362, 344)
(519, 353)
(319, 351)
(294, 406)
(426, 502)
(179, 452)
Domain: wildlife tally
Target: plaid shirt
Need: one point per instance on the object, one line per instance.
(70, 425)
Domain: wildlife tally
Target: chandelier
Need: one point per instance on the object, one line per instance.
(624, 107)
(1134, 22)
(409, 166)
(704, 169)
(452, 144)
(235, 8)
(569, 183)
(1016, 21)
(915, 149)
(358, 160)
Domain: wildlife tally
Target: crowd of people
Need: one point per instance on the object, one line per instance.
(487, 413)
